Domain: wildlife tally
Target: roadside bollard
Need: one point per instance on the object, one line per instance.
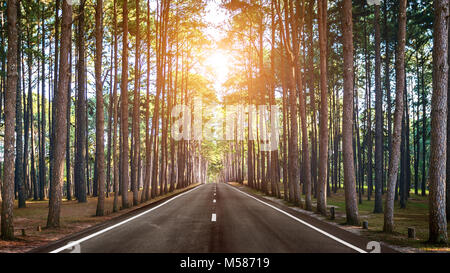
(365, 225)
(411, 233)
(333, 213)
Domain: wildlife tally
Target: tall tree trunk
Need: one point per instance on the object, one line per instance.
(323, 135)
(368, 118)
(124, 109)
(285, 134)
(396, 140)
(448, 142)
(81, 117)
(115, 115)
(18, 170)
(30, 121)
(302, 107)
(378, 118)
(416, 135)
(60, 120)
(55, 83)
(136, 113)
(387, 83)
(110, 124)
(438, 219)
(100, 119)
(274, 161)
(351, 205)
(424, 133)
(408, 147)
(69, 100)
(27, 106)
(148, 149)
(42, 129)
(312, 96)
(7, 226)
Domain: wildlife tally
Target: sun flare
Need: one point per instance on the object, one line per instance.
(218, 64)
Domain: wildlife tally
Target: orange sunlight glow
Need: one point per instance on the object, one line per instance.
(218, 64)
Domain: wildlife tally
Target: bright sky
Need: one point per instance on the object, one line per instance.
(216, 16)
(217, 61)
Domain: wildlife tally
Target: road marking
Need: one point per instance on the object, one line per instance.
(303, 222)
(75, 243)
(213, 217)
(214, 201)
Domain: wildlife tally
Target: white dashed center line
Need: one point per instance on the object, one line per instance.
(213, 217)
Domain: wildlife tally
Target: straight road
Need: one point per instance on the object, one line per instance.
(219, 218)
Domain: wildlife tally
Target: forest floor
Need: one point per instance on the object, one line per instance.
(74, 218)
(415, 215)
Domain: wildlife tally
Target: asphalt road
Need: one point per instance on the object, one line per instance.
(218, 218)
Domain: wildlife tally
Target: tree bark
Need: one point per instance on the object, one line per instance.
(136, 113)
(124, 109)
(115, 115)
(42, 164)
(387, 86)
(424, 134)
(100, 119)
(18, 170)
(438, 219)
(69, 99)
(59, 151)
(323, 131)
(81, 117)
(396, 139)
(447, 194)
(378, 118)
(351, 205)
(148, 149)
(7, 226)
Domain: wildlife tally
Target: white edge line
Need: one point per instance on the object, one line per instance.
(303, 222)
(74, 243)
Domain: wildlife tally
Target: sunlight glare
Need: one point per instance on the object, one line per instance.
(218, 64)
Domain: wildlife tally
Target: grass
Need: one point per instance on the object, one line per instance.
(74, 218)
(415, 215)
